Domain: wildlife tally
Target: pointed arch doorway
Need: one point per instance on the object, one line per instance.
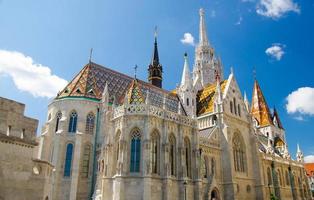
(214, 195)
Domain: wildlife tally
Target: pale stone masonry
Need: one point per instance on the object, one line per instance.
(22, 177)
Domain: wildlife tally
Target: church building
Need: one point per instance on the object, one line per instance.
(111, 136)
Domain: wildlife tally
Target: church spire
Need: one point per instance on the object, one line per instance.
(203, 41)
(186, 79)
(260, 110)
(155, 68)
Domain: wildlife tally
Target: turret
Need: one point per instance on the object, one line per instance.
(186, 91)
(299, 155)
(155, 68)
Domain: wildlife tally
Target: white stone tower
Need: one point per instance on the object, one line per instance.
(205, 61)
(186, 90)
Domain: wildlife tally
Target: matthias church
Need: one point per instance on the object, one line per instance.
(110, 136)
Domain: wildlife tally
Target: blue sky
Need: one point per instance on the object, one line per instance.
(57, 35)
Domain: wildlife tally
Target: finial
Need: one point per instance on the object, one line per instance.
(135, 70)
(90, 55)
(155, 33)
(245, 97)
(254, 73)
(201, 11)
(231, 70)
(185, 55)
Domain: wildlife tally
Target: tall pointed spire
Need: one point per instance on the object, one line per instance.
(203, 41)
(246, 102)
(155, 68)
(155, 58)
(186, 79)
(260, 110)
(299, 155)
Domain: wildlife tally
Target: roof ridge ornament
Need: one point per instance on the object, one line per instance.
(90, 55)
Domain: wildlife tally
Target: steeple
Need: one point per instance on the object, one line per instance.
(259, 109)
(186, 79)
(155, 68)
(203, 41)
(276, 119)
(299, 155)
(205, 63)
(246, 102)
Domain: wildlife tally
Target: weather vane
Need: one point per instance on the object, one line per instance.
(135, 70)
(90, 55)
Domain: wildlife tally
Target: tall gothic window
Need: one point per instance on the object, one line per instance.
(235, 105)
(73, 122)
(155, 152)
(86, 160)
(239, 155)
(59, 116)
(68, 160)
(287, 178)
(269, 180)
(204, 167)
(90, 122)
(117, 144)
(135, 151)
(231, 107)
(187, 147)
(172, 155)
(239, 110)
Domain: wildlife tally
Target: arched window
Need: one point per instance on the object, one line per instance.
(204, 167)
(287, 178)
(279, 177)
(86, 160)
(187, 101)
(59, 116)
(155, 152)
(135, 151)
(68, 160)
(239, 110)
(239, 155)
(90, 121)
(118, 144)
(172, 154)
(269, 179)
(235, 105)
(231, 107)
(187, 147)
(213, 166)
(73, 122)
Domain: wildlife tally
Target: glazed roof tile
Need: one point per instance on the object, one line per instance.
(259, 109)
(205, 98)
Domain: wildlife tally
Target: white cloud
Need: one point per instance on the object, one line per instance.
(301, 101)
(299, 118)
(309, 159)
(239, 21)
(276, 8)
(188, 39)
(28, 76)
(275, 51)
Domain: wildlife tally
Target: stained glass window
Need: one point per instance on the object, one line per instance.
(73, 122)
(90, 123)
(135, 151)
(68, 160)
(59, 115)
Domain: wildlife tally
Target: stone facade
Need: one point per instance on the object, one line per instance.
(22, 176)
(114, 137)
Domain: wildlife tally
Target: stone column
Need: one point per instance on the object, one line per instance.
(76, 166)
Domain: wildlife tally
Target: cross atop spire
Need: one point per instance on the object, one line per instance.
(90, 55)
(203, 41)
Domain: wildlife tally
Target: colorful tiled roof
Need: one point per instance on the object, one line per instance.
(309, 167)
(135, 94)
(259, 109)
(276, 117)
(91, 80)
(205, 98)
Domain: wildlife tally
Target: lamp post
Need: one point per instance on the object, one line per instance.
(185, 184)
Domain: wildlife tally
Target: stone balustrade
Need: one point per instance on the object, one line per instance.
(150, 110)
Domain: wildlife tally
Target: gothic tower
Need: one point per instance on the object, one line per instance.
(205, 62)
(155, 68)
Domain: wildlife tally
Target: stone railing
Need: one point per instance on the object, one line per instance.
(144, 109)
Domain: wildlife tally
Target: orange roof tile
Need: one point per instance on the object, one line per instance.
(259, 109)
(309, 167)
